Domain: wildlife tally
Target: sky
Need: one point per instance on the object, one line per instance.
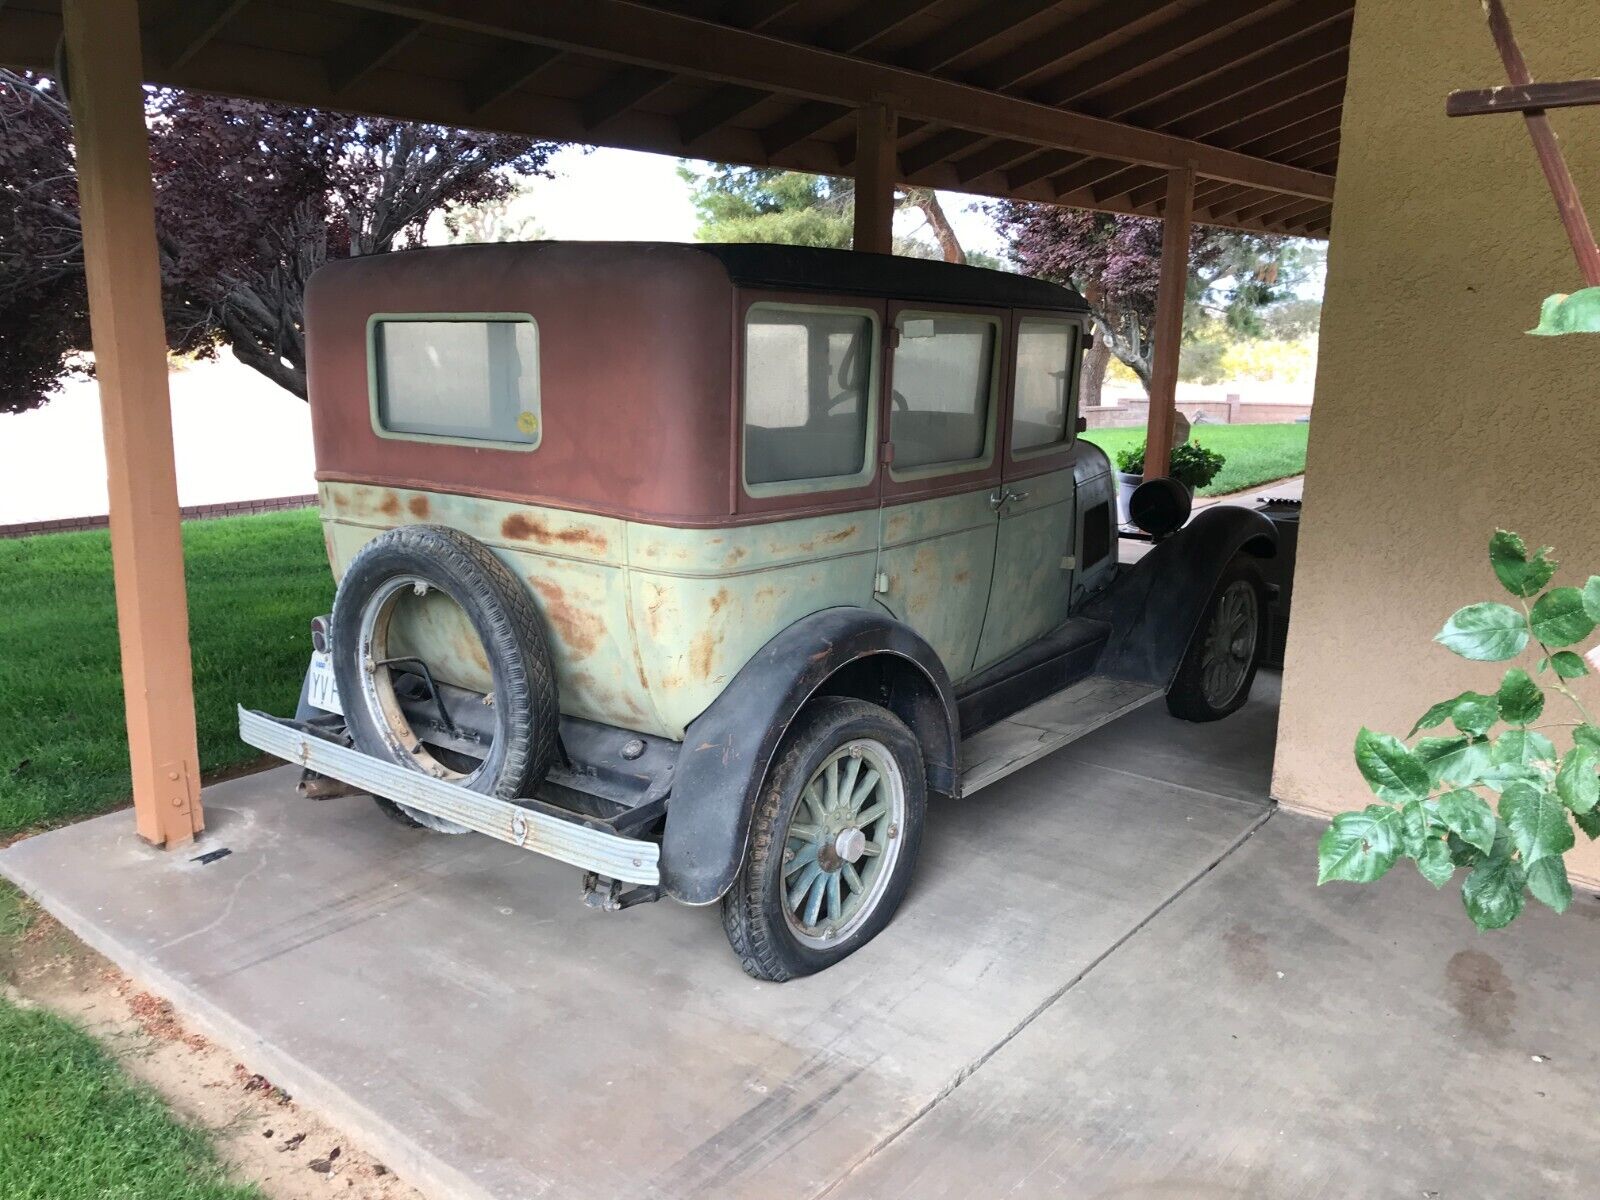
(610, 195)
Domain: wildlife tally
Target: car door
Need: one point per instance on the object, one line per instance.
(944, 377)
(1036, 533)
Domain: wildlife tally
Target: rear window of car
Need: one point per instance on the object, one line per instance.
(1043, 394)
(472, 378)
(808, 392)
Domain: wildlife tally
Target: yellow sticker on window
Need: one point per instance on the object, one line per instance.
(527, 422)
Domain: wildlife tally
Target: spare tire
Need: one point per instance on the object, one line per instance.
(379, 676)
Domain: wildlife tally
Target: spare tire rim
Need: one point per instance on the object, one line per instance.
(1230, 644)
(842, 843)
(378, 671)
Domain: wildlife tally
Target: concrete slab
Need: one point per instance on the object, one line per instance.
(450, 1000)
(1264, 1038)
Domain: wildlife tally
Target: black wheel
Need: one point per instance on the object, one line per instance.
(397, 705)
(834, 842)
(1220, 664)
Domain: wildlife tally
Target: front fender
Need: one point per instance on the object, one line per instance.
(1155, 606)
(728, 748)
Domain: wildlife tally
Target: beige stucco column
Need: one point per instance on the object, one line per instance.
(1436, 417)
(1177, 222)
(130, 351)
(875, 170)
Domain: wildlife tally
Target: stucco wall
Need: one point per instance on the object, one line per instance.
(1436, 418)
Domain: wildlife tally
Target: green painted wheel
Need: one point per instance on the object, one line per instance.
(843, 842)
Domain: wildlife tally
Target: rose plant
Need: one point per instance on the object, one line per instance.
(1494, 794)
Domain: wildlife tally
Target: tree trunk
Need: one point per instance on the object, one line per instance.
(1094, 373)
(944, 233)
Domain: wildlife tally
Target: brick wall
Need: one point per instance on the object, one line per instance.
(1130, 412)
(195, 512)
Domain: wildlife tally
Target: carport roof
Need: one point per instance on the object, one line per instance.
(1086, 103)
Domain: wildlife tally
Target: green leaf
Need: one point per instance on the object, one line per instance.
(1537, 821)
(1469, 817)
(1559, 617)
(1493, 892)
(1434, 862)
(1414, 822)
(1589, 822)
(1359, 847)
(1587, 735)
(1391, 771)
(1521, 700)
(1547, 880)
(1509, 558)
(1462, 854)
(1457, 760)
(1577, 783)
(1472, 712)
(1485, 632)
(1523, 747)
(1591, 597)
(1435, 716)
(1567, 664)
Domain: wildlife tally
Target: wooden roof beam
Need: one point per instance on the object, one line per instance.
(628, 87)
(509, 69)
(725, 104)
(636, 33)
(1296, 133)
(1075, 38)
(1249, 41)
(184, 35)
(972, 32)
(378, 37)
(1323, 57)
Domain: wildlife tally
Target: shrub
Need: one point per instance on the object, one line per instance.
(1192, 465)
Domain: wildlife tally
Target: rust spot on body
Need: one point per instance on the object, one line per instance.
(419, 507)
(521, 527)
(961, 577)
(719, 601)
(701, 653)
(579, 630)
(390, 506)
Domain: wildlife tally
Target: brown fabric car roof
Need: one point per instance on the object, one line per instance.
(1081, 102)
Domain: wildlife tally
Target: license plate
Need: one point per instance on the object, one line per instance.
(324, 690)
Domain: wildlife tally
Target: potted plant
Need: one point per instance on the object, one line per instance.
(1192, 465)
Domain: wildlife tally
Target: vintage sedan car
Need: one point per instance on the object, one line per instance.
(705, 568)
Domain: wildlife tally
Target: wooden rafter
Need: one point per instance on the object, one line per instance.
(185, 34)
(377, 39)
(509, 68)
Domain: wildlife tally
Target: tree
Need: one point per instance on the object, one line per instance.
(250, 199)
(766, 204)
(1115, 262)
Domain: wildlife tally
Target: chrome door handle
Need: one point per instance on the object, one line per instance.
(1017, 496)
(996, 499)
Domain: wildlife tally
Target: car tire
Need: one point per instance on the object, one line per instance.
(768, 929)
(1220, 664)
(503, 616)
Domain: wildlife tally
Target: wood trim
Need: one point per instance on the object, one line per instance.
(1168, 331)
(130, 348)
(625, 31)
(876, 171)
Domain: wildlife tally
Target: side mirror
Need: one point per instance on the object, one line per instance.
(1160, 506)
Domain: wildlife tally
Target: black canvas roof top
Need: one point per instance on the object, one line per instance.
(812, 269)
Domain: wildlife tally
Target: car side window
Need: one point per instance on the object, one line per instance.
(943, 389)
(472, 379)
(807, 395)
(1044, 388)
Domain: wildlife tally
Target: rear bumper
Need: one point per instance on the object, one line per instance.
(611, 855)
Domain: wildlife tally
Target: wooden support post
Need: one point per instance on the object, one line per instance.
(1168, 331)
(876, 168)
(104, 70)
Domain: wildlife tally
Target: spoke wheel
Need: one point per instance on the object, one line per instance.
(1230, 643)
(842, 842)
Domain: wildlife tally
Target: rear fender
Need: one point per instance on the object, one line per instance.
(728, 749)
(1155, 607)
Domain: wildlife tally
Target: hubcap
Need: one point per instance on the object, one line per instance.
(1230, 644)
(842, 842)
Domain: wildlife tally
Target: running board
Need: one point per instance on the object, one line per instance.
(1039, 729)
(606, 854)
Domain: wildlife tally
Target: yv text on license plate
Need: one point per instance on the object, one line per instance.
(324, 690)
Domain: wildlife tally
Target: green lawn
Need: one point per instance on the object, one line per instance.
(254, 582)
(74, 1127)
(1255, 454)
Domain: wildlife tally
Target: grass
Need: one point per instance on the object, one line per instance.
(254, 582)
(1255, 454)
(74, 1127)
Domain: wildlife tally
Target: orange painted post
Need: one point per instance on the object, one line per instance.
(130, 350)
(1168, 332)
(875, 168)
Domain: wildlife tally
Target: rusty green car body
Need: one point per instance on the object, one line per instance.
(733, 479)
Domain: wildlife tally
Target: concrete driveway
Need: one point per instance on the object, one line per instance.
(1113, 978)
